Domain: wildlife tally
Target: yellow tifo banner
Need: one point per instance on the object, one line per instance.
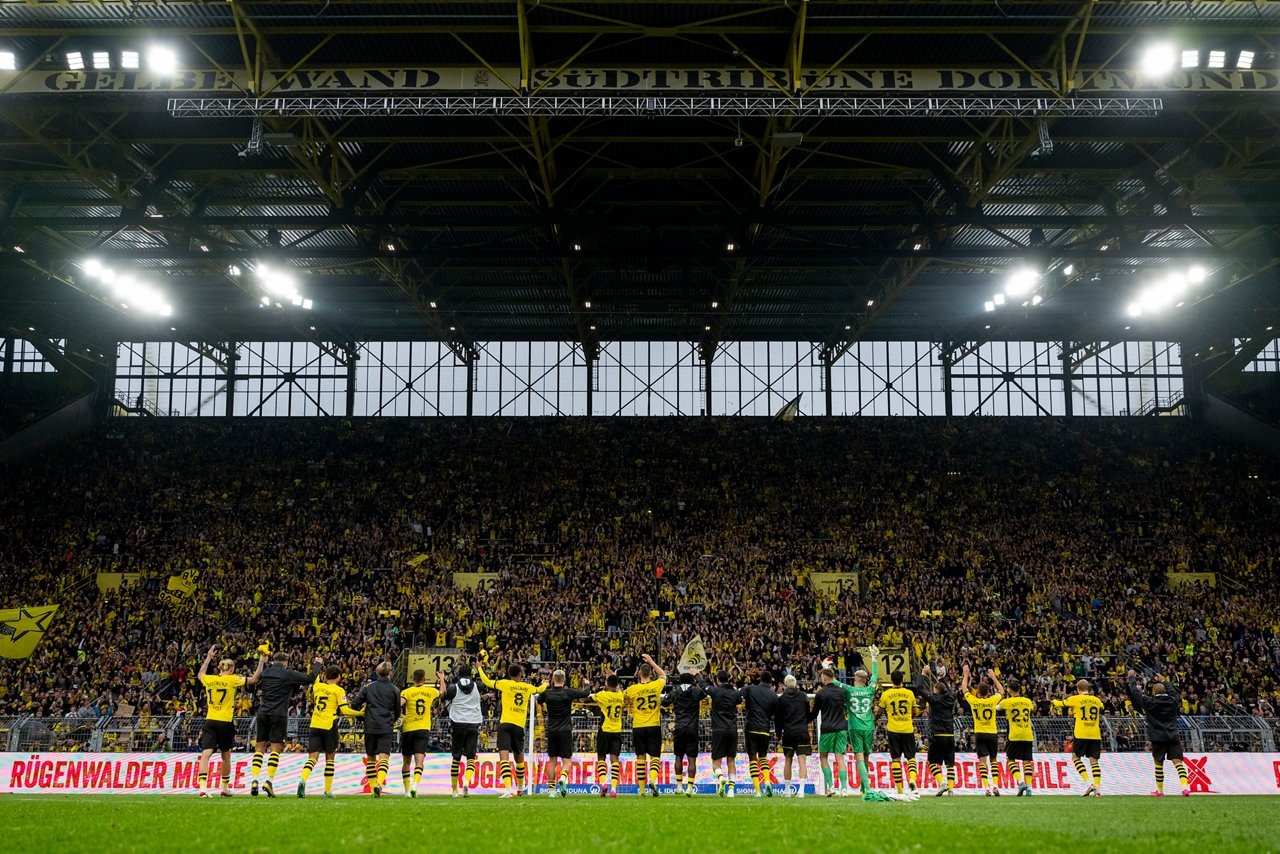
(181, 588)
(22, 628)
(694, 656)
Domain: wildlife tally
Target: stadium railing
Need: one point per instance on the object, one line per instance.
(181, 733)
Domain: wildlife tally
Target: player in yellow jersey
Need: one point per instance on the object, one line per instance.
(1018, 749)
(609, 737)
(1087, 740)
(328, 701)
(516, 696)
(983, 703)
(416, 702)
(219, 731)
(900, 709)
(644, 698)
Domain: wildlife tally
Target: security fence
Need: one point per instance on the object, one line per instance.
(181, 733)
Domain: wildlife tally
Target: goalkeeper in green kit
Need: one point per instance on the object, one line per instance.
(860, 709)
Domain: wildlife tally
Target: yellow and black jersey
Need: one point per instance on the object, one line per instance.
(1019, 711)
(610, 703)
(417, 700)
(220, 691)
(329, 701)
(984, 711)
(899, 706)
(1087, 710)
(515, 697)
(645, 699)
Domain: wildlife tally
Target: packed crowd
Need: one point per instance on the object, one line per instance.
(1040, 547)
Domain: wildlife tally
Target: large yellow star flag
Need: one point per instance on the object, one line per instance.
(22, 628)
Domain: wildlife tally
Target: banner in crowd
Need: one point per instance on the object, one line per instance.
(433, 661)
(175, 773)
(891, 661)
(108, 581)
(675, 81)
(694, 656)
(483, 581)
(180, 589)
(834, 584)
(1180, 579)
(22, 628)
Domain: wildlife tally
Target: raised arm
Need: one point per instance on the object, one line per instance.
(964, 682)
(1136, 696)
(657, 668)
(204, 665)
(484, 677)
(995, 680)
(874, 651)
(257, 674)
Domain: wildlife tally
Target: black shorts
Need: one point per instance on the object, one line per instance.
(1162, 750)
(322, 740)
(647, 740)
(271, 728)
(466, 739)
(1088, 748)
(986, 744)
(376, 744)
(560, 744)
(942, 750)
(757, 744)
(724, 743)
(902, 744)
(685, 743)
(796, 742)
(1018, 751)
(511, 738)
(414, 741)
(218, 735)
(608, 744)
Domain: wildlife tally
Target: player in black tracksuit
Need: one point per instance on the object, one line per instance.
(1162, 707)
(725, 700)
(685, 699)
(792, 718)
(381, 701)
(276, 688)
(557, 701)
(762, 704)
(940, 698)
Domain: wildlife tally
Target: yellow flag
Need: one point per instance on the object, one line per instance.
(694, 656)
(416, 560)
(22, 628)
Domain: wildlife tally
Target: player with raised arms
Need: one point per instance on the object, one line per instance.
(1087, 737)
(219, 731)
(609, 736)
(328, 701)
(1020, 746)
(516, 696)
(644, 698)
(983, 703)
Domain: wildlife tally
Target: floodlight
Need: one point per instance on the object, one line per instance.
(74, 60)
(1020, 282)
(129, 59)
(1196, 275)
(162, 60)
(1246, 60)
(1037, 299)
(1191, 59)
(1158, 60)
(989, 306)
(92, 267)
(1135, 310)
(8, 61)
(1217, 58)
(998, 299)
(101, 60)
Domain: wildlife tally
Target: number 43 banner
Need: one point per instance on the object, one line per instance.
(891, 661)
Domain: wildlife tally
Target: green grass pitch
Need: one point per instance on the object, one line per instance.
(102, 824)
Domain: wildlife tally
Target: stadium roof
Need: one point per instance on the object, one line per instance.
(427, 218)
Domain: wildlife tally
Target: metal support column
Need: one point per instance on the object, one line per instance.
(470, 357)
(352, 356)
(590, 354)
(708, 353)
(8, 354)
(232, 357)
(948, 365)
(1067, 349)
(826, 356)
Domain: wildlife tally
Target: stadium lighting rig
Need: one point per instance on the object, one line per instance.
(126, 290)
(281, 288)
(1170, 290)
(160, 59)
(1162, 58)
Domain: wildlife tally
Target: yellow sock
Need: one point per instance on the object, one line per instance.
(655, 771)
(1015, 769)
(615, 776)
(895, 774)
(642, 774)
(382, 772)
(1097, 772)
(328, 777)
(202, 780)
(453, 775)
(417, 777)
(306, 769)
(256, 768)
(273, 762)
(913, 773)
(504, 769)
(1081, 769)
(982, 774)
(1182, 772)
